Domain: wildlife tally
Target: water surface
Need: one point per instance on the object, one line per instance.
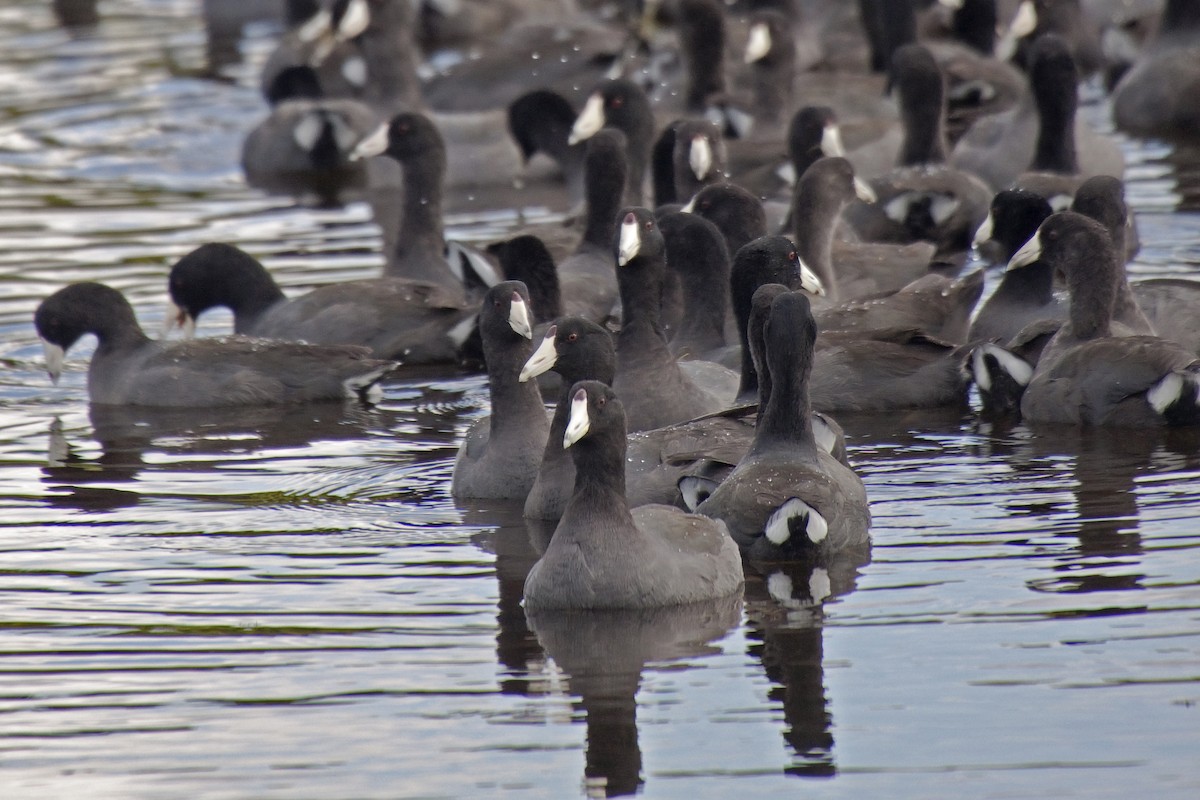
(288, 604)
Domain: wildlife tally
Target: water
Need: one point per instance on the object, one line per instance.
(288, 604)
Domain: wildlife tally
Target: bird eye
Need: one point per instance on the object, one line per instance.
(616, 102)
(601, 401)
(572, 337)
(792, 256)
(649, 225)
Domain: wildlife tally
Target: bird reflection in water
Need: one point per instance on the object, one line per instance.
(603, 654)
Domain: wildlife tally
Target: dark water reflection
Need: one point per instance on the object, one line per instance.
(287, 603)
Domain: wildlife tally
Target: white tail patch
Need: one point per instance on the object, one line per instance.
(462, 257)
(1030, 252)
(55, 356)
(823, 433)
(695, 489)
(318, 25)
(1013, 365)
(759, 42)
(307, 131)
(373, 144)
(354, 70)
(1166, 393)
(630, 241)
(462, 331)
(779, 527)
(364, 386)
(542, 359)
(1023, 24)
(578, 424)
(354, 21)
(943, 207)
(518, 316)
(343, 134)
(590, 120)
(896, 209)
(831, 141)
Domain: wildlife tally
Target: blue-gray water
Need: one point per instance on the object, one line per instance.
(288, 604)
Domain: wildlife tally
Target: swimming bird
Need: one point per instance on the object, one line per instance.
(603, 555)
(789, 499)
(129, 368)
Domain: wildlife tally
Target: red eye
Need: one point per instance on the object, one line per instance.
(649, 225)
(792, 256)
(572, 337)
(496, 303)
(601, 401)
(616, 102)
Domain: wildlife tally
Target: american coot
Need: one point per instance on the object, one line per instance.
(705, 449)
(736, 212)
(788, 498)
(1102, 197)
(698, 272)
(589, 286)
(577, 349)
(413, 322)
(923, 198)
(654, 387)
(698, 157)
(768, 259)
(420, 248)
(128, 368)
(1157, 96)
(1023, 295)
(1043, 133)
(848, 269)
(500, 455)
(771, 54)
(304, 144)
(604, 556)
(1086, 375)
(620, 104)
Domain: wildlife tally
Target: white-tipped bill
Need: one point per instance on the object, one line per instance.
(700, 156)
(177, 317)
(318, 25)
(759, 43)
(55, 356)
(354, 21)
(1023, 24)
(629, 243)
(831, 141)
(542, 359)
(984, 232)
(518, 316)
(373, 144)
(1030, 252)
(809, 281)
(578, 423)
(590, 120)
(864, 191)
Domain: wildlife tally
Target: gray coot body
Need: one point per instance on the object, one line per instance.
(128, 368)
(604, 556)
